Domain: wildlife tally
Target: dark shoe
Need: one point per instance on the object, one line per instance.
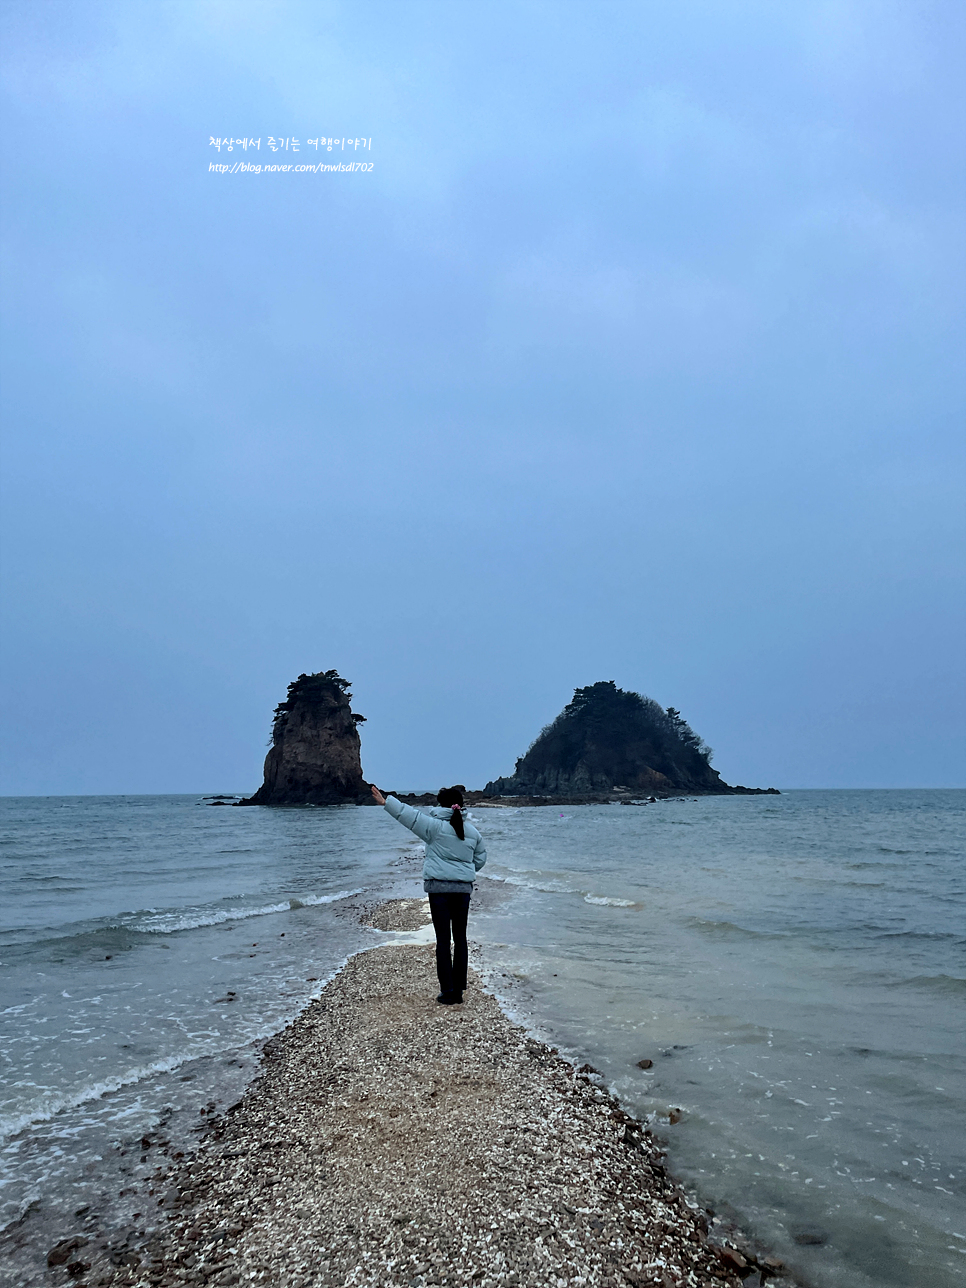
(450, 999)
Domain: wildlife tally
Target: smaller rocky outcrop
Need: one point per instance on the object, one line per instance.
(315, 755)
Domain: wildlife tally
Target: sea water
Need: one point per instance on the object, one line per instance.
(792, 967)
(148, 945)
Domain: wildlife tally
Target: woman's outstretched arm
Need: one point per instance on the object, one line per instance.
(422, 824)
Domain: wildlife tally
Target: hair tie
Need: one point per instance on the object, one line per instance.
(459, 807)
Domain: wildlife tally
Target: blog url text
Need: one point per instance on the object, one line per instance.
(247, 167)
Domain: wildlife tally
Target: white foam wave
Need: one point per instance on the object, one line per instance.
(548, 885)
(195, 918)
(58, 1104)
(530, 883)
(12, 1124)
(313, 900)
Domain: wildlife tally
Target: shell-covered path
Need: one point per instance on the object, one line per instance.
(390, 1140)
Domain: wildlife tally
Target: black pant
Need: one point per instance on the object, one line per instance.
(449, 913)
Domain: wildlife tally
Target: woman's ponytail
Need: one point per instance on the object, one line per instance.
(453, 797)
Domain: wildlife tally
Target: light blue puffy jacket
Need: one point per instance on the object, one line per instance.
(447, 857)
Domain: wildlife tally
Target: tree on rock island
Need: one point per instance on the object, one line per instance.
(314, 757)
(607, 738)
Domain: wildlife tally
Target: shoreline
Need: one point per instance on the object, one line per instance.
(388, 1140)
(616, 796)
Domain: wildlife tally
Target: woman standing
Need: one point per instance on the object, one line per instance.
(454, 854)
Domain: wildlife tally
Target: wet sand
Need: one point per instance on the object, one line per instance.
(390, 1140)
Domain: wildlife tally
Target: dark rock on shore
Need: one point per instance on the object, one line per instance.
(61, 1252)
(608, 741)
(315, 754)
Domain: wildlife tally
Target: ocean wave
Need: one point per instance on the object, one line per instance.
(928, 935)
(170, 923)
(728, 930)
(529, 883)
(548, 885)
(949, 985)
(877, 863)
(13, 1124)
(258, 1029)
(119, 934)
(48, 879)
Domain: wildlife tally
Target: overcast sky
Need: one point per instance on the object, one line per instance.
(637, 355)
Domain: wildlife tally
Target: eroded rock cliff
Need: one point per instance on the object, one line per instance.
(315, 754)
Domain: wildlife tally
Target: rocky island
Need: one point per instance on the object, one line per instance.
(315, 756)
(607, 744)
(608, 741)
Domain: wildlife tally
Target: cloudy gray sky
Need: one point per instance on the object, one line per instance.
(637, 355)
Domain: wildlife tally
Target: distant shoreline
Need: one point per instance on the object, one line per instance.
(615, 797)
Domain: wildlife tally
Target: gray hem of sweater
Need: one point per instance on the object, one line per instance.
(433, 886)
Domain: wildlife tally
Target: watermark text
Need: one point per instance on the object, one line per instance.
(320, 167)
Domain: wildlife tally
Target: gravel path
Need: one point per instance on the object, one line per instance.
(390, 1140)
